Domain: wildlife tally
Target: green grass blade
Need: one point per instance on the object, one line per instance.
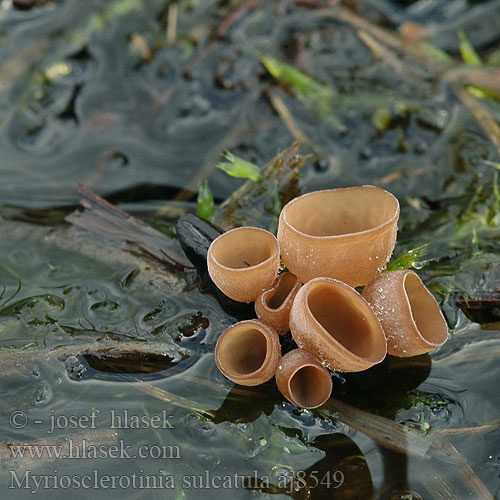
(302, 83)
(238, 167)
(409, 260)
(467, 51)
(433, 51)
(205, 205)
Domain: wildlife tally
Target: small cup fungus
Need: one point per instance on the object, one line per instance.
(244, 262)
(303, 380)
(409, 314)
(273, 306)
(248, 352)
(333, 321)
(347, 234)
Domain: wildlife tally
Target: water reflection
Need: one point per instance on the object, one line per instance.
(386, 386)
(384, 389)
(342, 474)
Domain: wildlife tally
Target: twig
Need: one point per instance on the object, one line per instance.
(394, 176)
(13, 360)
(461, 431)
(173, 399)
(452, 483)
(107, 221)
(380, 51)
(481, 115)
(469, 479)
(172, 23)
(392, 435)
(471, 75)
(345, 15)
(291, 124)
(446, 71)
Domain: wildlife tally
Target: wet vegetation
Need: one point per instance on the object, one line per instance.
(184, 115)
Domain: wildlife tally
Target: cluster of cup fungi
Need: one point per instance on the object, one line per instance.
(330, 241)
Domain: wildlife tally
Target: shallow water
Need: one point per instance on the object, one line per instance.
(93, 92)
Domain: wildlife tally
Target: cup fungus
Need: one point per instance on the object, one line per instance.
(347, 234)
(243, 262)
(273, 306)
(248, 352)
(303, 380)
(331, 241)
(409, 314)
(333, 321)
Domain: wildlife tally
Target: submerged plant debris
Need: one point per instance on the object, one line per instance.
(100, 310)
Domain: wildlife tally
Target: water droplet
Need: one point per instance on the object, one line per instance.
(283, 473)
(244, 428)
(321, 165)
(117, 160)
(208, 427)
(43, 394)
(74, 367)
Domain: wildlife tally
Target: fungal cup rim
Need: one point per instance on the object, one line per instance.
(380, 227)
(309, 364)
(431, 300)
(243, 269)
(265, 334)
(330, 339)
(283, 304)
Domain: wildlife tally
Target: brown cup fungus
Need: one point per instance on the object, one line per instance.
(303, 380)
(347, 234)
(273, 306)
(331, 241)
(243, 262)
(248, 352)
(332, 321)
(409, 314)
